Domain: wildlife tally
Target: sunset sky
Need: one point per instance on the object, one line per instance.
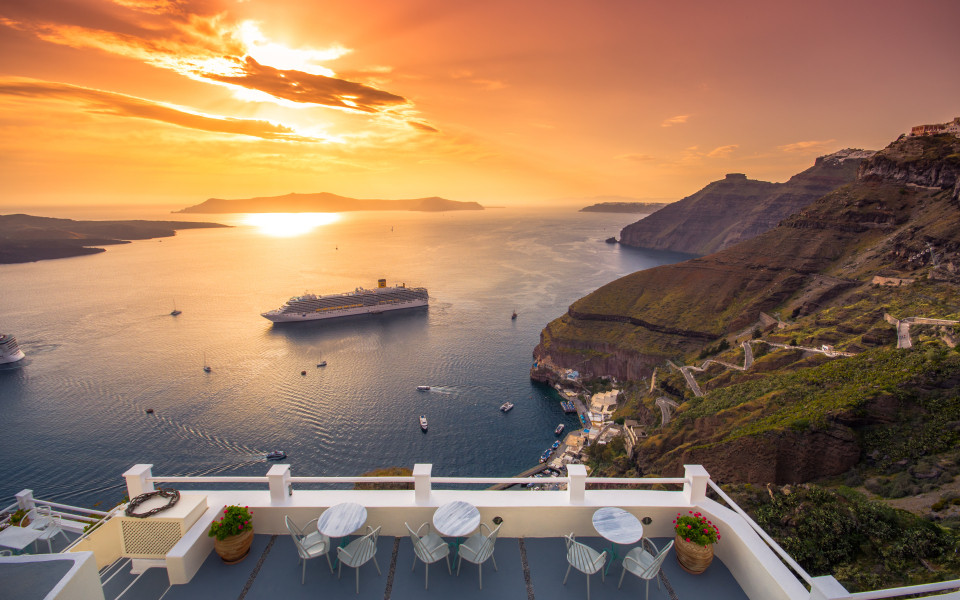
(500, 102)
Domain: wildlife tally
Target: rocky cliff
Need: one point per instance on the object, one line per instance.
(735, 208)
(789, 418)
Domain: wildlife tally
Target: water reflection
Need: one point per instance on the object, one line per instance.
(289, 224)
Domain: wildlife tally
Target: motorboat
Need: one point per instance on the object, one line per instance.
(423, 388)
(558, 430)
(506, 406)
(556, 445)
(276, 455)
(423, 422)
(206, 369)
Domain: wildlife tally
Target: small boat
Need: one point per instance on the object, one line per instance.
(423, 422)
(206, 367)
(174, 312)
(149, 411)
(506, 406)
(558, 430)
(304, 373)
(276, 455)
(514, 316)
(423, 388)
(556, 445)
(322, 363)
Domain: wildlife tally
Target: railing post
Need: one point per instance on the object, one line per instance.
(827, 588)
(25, 500)
(577, 487)
(695, 488)
(137, 483)
(280, 487)
(421, 482)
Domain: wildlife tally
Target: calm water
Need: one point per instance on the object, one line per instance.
(102, 348)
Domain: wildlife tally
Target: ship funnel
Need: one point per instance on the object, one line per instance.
(382, 283)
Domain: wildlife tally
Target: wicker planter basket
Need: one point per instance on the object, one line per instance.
(233, 549)
(693, 558)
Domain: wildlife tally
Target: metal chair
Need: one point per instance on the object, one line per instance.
(584, 559)
(358, 552)
(429, 548)
(477, 549)
(310, 543)
(645, 564)
(43, 518)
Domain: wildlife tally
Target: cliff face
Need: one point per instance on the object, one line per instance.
(735, 209)
(839, 241)
(900, 216)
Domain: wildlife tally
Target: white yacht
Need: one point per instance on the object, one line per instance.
(9, 349)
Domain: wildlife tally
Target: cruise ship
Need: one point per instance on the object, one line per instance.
(361, 301)
(9, 349)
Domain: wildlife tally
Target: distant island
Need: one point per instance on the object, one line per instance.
(25, 238)
(324, 202)
(625, 207)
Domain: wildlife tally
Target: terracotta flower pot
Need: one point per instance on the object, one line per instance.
(693, 558)
(234, 548)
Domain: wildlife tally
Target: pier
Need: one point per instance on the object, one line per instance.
(528, 473)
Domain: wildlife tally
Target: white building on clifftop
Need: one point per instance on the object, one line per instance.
(937, 128)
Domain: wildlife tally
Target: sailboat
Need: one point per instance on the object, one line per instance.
(514, 315)
(175, 312)
(321, 363)
(206, 367)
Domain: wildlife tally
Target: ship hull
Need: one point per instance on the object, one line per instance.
(10, 351)
(292, 317)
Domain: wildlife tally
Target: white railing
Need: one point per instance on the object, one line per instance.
(927, 588)
(763, 534)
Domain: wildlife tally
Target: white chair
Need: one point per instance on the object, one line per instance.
(310, 543)
(477, 549)
(429, 548)
(43, 518)
(358, 552)
(584, 559)
(644, 564)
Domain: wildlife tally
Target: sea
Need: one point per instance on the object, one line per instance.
(102, 347)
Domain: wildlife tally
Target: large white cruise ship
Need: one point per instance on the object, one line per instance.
(9, 349)
(310, 307)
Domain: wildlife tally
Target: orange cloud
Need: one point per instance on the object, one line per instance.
(216, 50)
(677, 120)
(811, 146)
(638, 157)
(298, 86)
(722, 151)
(112, 103)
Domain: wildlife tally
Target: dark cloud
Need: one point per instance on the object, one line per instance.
(299, 86)
(422, 126)
(112, 103)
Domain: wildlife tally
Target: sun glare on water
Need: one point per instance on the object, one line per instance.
(289, 224)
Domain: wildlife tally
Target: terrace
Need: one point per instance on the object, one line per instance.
(143, 560)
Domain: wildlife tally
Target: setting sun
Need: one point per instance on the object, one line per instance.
(289, 224)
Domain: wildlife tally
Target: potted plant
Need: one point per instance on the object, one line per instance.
(695, 537)
(232, 533)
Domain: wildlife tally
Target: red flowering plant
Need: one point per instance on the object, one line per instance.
(234, 520)
(694, 527)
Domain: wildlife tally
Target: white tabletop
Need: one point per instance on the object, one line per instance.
(19, 538)
(342, 519)
(456, 519)
(617, 525)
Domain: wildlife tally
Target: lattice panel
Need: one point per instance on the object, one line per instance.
(148, 538)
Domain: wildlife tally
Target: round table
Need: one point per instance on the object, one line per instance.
(456, 519)
(617, 526)
(341, 520)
